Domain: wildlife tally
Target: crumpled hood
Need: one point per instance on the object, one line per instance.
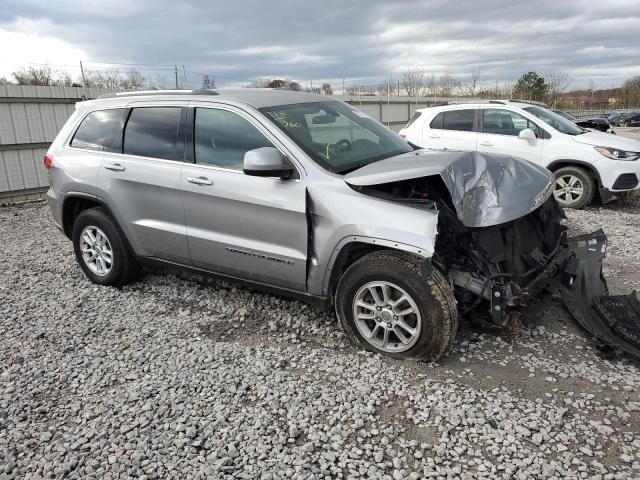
(485, 189)
(601, 139)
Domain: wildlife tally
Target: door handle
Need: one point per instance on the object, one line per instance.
(434, 136)
(199, 180)
(116, 167)
(486, 144)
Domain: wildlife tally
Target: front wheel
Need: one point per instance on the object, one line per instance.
(394, 304)
(574, 187)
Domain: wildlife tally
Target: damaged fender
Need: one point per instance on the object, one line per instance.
(338, 215)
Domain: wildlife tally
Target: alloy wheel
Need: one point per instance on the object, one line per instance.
(96, 250)
(387, 316)
(568, 189)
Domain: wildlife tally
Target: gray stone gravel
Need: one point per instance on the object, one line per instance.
(183, 377)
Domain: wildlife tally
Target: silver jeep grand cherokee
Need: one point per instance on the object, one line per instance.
(310, 197)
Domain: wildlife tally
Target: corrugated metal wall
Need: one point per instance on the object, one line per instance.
(30, 117)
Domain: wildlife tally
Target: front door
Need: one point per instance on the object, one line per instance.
(250, 227)
(499, 134)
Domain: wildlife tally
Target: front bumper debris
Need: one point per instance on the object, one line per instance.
(614, 320)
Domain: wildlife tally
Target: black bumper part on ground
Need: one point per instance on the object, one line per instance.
(615, 320)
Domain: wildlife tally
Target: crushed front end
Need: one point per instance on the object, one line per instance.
(499, 268)
(501, 241)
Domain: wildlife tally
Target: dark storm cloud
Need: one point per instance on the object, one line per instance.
(357, 39)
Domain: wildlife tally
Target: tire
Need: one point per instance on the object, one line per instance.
(430, 293)
(123, 267)
(575, 187)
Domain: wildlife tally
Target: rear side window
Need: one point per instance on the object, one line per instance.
(222, 138)
(416, 116)
(460, 120)
(153, 132)
(98, 130)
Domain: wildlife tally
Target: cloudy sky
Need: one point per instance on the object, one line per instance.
(358, 40)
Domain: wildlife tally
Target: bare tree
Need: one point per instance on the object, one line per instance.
(259, 83)
(64, 80)
(352, 90)
(208, 83)
(386, 88)
(4, 81)
(631, 91)
(557, 83)
(326, 89)
(109, 78)
(473, 83)
(413, 82)
(448, 85)
(42, 75)
(134, 80)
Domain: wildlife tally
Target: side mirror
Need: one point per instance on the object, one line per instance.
(527, 134)
(266, 162)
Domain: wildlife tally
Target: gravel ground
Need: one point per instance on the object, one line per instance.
(182, 377)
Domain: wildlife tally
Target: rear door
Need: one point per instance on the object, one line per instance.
(249, 227)
(499, 134)
(452, 130)
(141, 180)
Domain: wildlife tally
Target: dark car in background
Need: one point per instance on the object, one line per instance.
(632, 121)
(600, 124)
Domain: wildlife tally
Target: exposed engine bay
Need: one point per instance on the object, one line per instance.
(496, 269)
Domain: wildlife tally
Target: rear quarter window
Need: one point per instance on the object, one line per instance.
(98, 130)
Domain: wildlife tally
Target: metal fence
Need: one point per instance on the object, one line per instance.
(30, 118)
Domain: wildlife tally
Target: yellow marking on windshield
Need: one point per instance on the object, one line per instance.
(325, 155)
(281, 118)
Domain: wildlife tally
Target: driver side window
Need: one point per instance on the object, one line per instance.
(221, 138)
(506, 122)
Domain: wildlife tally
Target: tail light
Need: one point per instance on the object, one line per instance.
(48, 161)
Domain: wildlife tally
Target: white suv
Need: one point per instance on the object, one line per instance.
(583, 161)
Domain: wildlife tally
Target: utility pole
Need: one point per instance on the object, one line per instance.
(175, 70)
(84, 80)
(184, 77)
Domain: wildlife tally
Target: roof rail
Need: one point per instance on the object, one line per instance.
(464, 102)
(530, 102)
(144, 93)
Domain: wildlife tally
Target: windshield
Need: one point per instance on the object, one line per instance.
(556, 121)
(336, 135)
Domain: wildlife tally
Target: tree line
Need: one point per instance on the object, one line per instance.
(414, 82)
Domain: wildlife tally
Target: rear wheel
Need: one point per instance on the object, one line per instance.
(392, 303)
(574, 187)
(101, 249)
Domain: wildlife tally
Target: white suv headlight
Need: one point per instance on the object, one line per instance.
(616, 154)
